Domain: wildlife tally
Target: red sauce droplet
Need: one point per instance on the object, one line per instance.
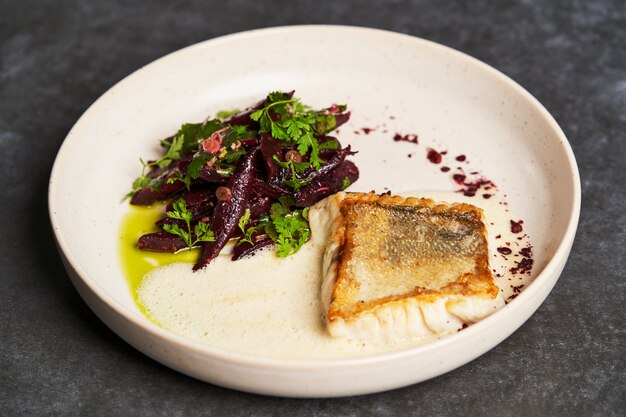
(367, 130)
(526, 252)
(460, 158)
(459, 178)
(410, 137)
(498, 237)
(445, 169)
(434, 156)
(523, 267)
(504, 250)
(516, 227)
(517, 288)
(486, 196)
(410, 155)
(469, 192)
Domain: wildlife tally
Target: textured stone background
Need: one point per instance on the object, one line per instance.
(57, 57)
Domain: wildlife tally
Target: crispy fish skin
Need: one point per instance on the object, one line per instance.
(397, 267)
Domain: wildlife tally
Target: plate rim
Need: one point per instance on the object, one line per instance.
(529, 293)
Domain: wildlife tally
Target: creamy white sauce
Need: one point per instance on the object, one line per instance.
(270, 307)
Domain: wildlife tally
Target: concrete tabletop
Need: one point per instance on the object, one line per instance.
(57, 57)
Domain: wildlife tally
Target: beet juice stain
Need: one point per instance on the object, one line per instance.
(434, 156)
(504, 250)
(516, 226)
(409, 137)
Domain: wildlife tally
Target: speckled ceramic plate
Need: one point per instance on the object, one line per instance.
(395, 84)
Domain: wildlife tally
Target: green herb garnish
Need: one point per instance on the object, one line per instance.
(247, 232)
(295, 123)
(225, 114)
(201, 232)
(287, 227)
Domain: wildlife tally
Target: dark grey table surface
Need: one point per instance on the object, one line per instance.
(57, 57)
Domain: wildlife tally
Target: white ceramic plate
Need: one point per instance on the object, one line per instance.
(450, 99)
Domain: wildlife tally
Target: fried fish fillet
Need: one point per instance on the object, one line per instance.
(398, 267)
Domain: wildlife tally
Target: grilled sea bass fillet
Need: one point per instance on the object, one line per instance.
(398, 267)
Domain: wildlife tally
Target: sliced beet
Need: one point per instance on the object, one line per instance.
(333, 162)
(341, 119)
(270, 148)
(245, 249)
(209, 174)
(162, 190)
(260, 206)
(161, 242)
(228, 212)
(325, 185)
(262, 188)
(196, 198)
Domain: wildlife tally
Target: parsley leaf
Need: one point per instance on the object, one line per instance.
(185, 179)
(196, 164)
(288, 120)
(295, 167)
(139, 183)
(288, 228)
(225, 114)
(201, 231)
(247, 232)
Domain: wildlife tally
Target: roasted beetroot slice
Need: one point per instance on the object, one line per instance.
(243, 118)
(261, 188)
(325, 185)
(332, 163)
(227, 213)
(260, 206)
(245, 249)
(148, 195)
(249, 143)
(161, 242)
(198, 213)
(210, 175)
(341, 119)
(270, 148)
(196, 198)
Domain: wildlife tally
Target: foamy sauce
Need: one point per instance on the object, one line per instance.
(270, 307)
